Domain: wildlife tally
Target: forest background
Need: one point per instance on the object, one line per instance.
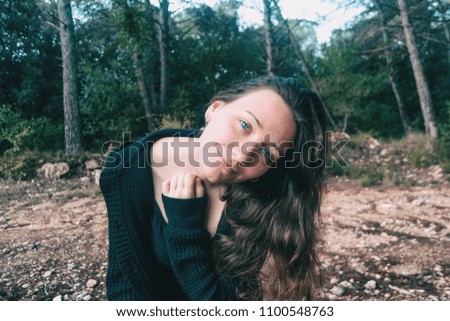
(75, 76)
(132, 67)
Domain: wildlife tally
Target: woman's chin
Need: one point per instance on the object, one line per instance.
(220, 179)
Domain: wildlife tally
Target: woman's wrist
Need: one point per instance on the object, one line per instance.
(185, 213)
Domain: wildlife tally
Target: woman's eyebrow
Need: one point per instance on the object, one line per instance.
(256, 119)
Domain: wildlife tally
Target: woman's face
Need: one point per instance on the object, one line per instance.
(245, 137)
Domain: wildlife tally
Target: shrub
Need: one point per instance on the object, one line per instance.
(334, 170)
(369, 175)
(372, 176)
(13, 129)
(18, 134)
(23, 165)
(180, 114)
(18, 166)
(418, 149)
(18, 137)
(354, 171)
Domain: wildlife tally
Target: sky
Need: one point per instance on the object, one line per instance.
(329, 14)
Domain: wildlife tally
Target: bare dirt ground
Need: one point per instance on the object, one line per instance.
(381, 243)
(387, 243)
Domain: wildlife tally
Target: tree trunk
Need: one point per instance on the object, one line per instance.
(163, 52)
(72, 127)
(150, 19)
(268, 32)
(152, 37)
(140, 73)
(391, 74)
(426, 103)
(442, 8)
(304, 64)
(136, 40)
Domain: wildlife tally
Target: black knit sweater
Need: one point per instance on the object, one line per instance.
(133, 271)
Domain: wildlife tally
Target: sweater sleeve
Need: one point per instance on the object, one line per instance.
(189, 247)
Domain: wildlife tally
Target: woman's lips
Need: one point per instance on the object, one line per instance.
(228, 167)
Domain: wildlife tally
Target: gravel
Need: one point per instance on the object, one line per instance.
(379, 244)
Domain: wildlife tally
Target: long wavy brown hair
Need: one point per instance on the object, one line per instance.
(272, 250)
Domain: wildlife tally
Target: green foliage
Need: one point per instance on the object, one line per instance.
(354, 171)
(18, 134)
(24, 164)
(395, 163)
(334, 170)
(13, 129)
(369, 175)
(211, 53)
(18, 166)
(30, 73)
(209, 48)
(181, 114)
(20, 138)
(354, 79)
(76, 161)
(110, 103)
(356, 89)
(373, 175)
(418, 150)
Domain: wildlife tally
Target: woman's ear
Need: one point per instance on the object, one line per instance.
(212, 109)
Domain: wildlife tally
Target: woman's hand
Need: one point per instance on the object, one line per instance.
(183, 186)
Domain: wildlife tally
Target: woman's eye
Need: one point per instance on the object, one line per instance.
(265, 152)
(245, 125)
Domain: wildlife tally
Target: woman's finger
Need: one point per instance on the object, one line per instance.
(173, 185)
(183, 186)
(166, 187)
(189, 186)
(180, 181)
(199, 189)
(180, 185)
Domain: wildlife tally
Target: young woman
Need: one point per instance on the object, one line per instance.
(230, 212)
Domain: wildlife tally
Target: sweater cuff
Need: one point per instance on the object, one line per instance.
(185, 213)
